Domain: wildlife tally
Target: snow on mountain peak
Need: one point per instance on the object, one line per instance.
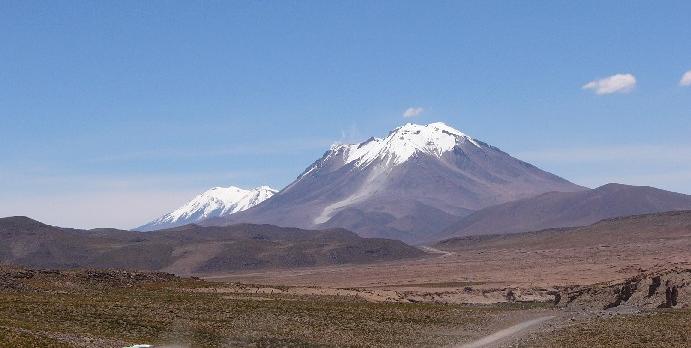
(403, 142)
(215, 202)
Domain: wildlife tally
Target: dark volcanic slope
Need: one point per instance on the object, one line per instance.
(567, 209)
(648, 228)
(189, 249)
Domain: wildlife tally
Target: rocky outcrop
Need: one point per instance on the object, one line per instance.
(13, 279)
(663, 289)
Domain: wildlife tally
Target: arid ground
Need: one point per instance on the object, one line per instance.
(119, 309)
(532, 264)
(574, 287)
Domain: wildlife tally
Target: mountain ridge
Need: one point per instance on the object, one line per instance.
(414, 171)
(567, 209)
(215, 202)
(190, 249)
(606, 232)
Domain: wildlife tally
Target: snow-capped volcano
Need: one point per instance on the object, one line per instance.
(402, 143)
(216, 202)
(406, 185)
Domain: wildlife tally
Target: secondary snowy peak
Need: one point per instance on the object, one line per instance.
(404, 142)
(218, 201)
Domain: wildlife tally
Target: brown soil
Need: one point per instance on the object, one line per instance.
(610, 251)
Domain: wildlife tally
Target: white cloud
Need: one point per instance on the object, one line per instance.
(413, 111)
(686, 79)
(619, 83)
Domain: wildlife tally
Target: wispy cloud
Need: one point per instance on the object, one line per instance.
(349, 135)
(619, 83)
(413, 111)
(685, 79)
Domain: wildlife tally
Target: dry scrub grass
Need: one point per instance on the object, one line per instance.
(115, 309)
(660, 328)
(168, 313)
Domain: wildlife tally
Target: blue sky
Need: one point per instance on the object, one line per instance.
(112, 113)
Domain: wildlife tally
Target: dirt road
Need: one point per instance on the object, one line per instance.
(505, 333)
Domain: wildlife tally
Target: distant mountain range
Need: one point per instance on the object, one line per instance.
(408, 185)
(421, 184)
(674, 227)
(189, 249)
(216, 202)
(566, 209)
